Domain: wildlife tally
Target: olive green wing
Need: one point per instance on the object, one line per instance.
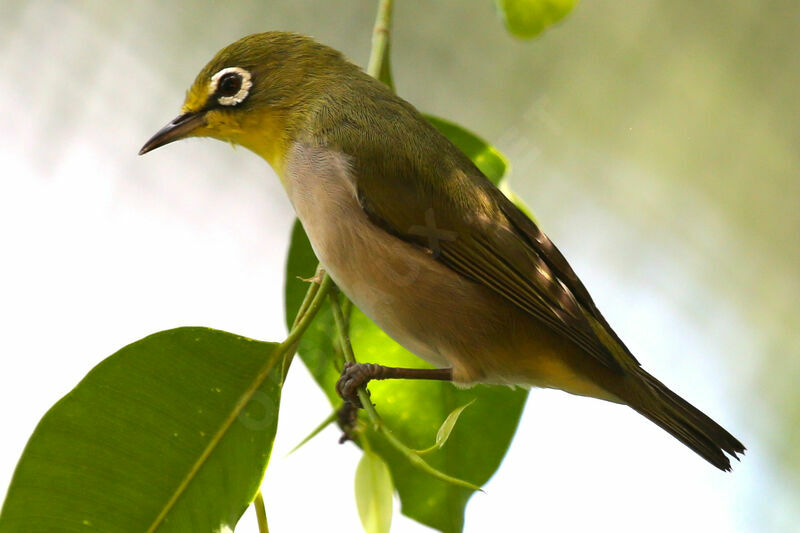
(446, 206)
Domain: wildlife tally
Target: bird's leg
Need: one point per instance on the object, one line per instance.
(355, 375)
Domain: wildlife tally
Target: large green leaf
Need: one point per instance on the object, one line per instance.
(171, 433)
(529, 18)
(415, 410)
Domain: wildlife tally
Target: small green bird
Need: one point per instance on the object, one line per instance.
(418, 238)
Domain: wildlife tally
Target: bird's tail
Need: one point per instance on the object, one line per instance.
(683, 421)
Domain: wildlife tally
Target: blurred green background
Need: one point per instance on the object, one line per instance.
(656, 141)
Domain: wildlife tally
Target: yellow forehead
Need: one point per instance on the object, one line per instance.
(196, 97)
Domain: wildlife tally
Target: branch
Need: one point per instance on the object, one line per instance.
(379, 66)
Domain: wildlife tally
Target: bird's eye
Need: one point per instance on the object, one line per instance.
(230, 86)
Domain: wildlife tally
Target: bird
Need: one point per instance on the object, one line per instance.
(418, 238)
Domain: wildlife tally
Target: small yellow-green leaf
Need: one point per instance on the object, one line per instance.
(449, 423)
(529, 18)
(446, 428)
(374, 491)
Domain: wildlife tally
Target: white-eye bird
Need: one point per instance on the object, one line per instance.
(418, 238)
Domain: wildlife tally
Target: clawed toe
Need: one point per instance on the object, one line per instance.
(353, 376)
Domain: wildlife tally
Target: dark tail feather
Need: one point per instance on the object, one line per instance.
(686, 423)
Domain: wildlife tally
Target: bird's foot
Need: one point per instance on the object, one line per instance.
(355, 375)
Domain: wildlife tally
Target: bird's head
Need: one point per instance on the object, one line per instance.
(256, 92)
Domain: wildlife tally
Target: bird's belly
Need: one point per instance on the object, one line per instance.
(392, 282)
(416, 300)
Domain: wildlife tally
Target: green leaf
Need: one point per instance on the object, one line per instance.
(529, 18)
(445, 429)
(485, 156)
(413, 410)
(171, 433)
(374, 491)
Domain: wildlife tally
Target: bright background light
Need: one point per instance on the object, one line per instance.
(656, 142)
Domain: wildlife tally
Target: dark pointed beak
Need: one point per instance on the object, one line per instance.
(181, 127)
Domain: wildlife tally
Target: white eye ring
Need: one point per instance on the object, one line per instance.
(244, 90)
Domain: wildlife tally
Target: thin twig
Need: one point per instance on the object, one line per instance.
(325, 423)
(311, 293)
(302, 322)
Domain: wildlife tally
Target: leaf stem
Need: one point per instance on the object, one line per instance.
(261, 513)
